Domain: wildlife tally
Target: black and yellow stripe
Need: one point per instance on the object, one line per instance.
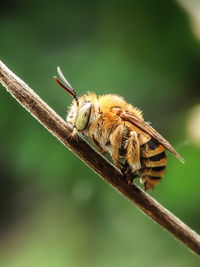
(151, 148)
(153, 161)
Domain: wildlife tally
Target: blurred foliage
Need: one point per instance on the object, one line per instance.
(54, 211)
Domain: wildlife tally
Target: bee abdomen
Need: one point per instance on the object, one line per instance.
(153, 161)
(151, 148)
(155, 172)
(152, 154)
(158, 160)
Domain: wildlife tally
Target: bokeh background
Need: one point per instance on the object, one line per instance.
(55, 211)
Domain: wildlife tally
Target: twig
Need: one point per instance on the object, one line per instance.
(58, 127)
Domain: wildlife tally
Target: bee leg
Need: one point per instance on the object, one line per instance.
(74, 135)
(93, 126)
(128, 174)
(116, 143)
(125, 169)
(91, 131)
(102, 151)
(131, 179)
(133, 152)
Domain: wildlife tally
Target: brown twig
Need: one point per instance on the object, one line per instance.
(58, 127)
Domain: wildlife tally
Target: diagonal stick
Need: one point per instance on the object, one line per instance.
(59, 128)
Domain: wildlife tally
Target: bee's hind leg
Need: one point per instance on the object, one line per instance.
(128, 174)
(133, 152)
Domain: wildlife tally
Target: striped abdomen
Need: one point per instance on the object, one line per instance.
(153, 162)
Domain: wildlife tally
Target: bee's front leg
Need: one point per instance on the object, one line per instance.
(74, 135)
(93, 127)
(101, 150)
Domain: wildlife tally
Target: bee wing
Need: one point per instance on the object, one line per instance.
(144, 126)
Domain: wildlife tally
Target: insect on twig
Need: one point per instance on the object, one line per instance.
(58, 127)
(118, 127)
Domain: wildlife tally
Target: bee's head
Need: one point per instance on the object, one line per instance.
(79, 116)
(80, 111)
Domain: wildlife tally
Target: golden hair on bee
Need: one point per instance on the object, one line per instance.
(118, 128)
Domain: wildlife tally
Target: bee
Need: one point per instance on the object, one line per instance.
(118, 128)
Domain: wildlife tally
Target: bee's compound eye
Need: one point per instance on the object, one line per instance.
(83, 116)
(70, 119)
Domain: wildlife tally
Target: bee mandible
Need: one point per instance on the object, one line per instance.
(118, 128)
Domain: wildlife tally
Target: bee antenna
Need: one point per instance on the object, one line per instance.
(65, 84)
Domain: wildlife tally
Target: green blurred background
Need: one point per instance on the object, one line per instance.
(55, 211)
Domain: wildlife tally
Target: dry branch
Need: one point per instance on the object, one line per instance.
(58, 127)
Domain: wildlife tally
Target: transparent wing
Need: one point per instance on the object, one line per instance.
(144, 126)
